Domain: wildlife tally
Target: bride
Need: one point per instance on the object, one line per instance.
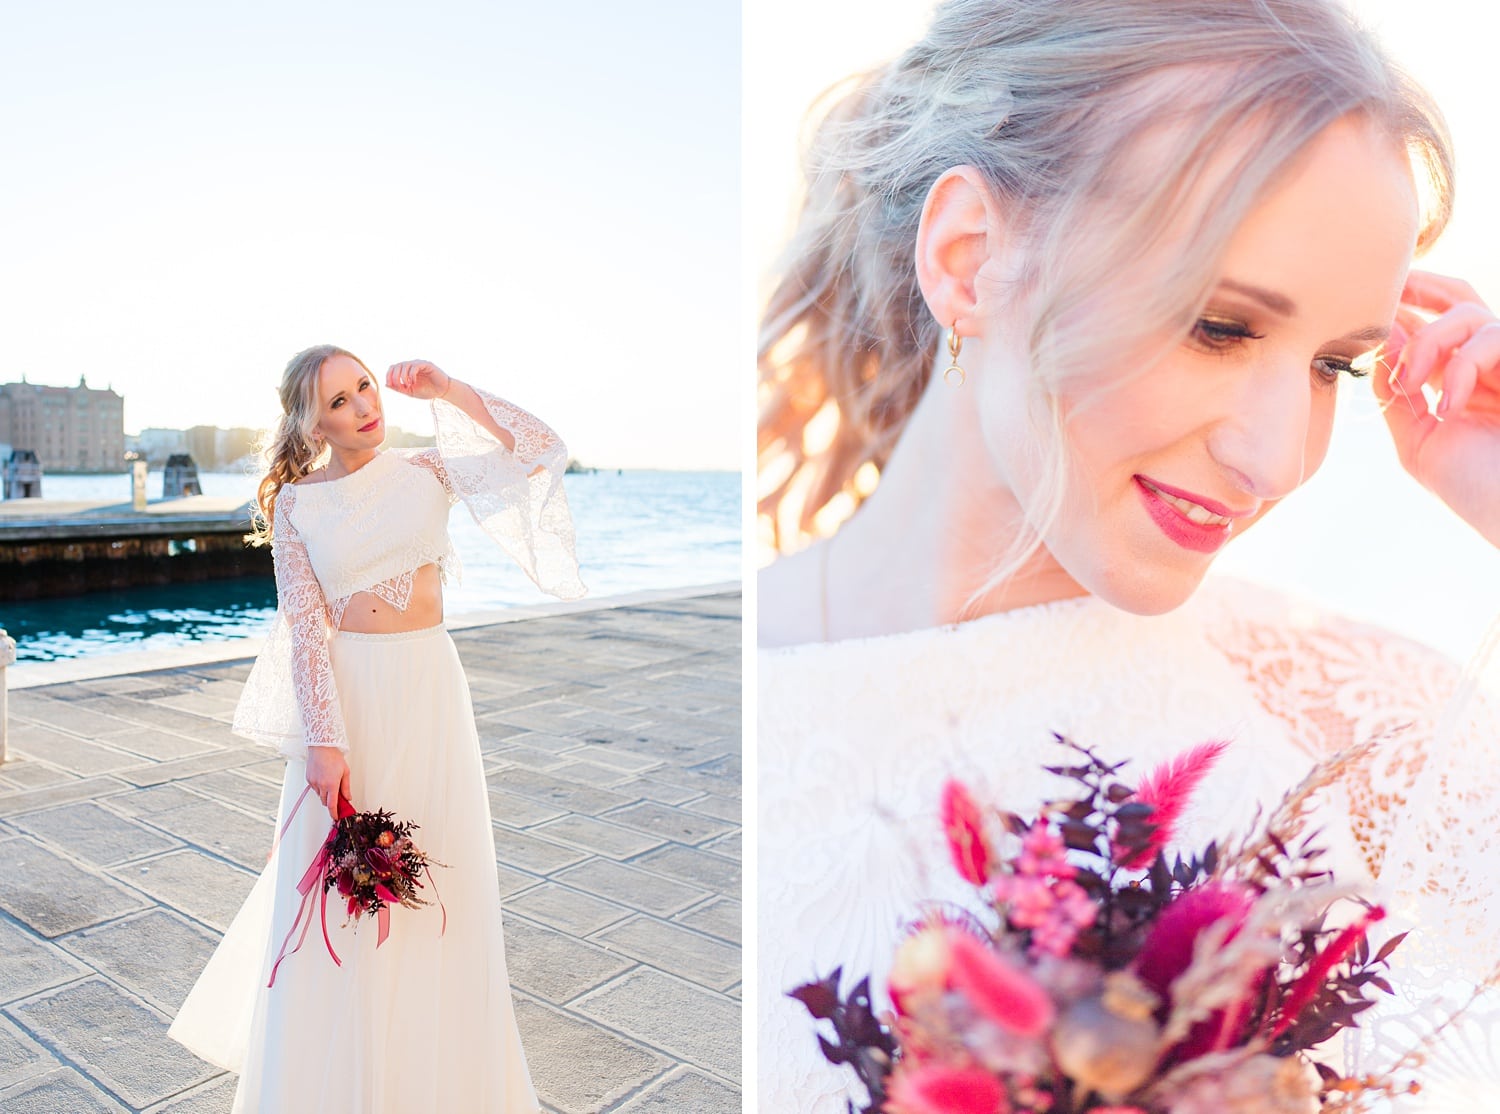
(1066, 310)
(360, 687)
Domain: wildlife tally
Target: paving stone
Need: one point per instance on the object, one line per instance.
(570, 795)
(610, 754)
(598, 836)
(234, 787)
(207, 889)
(68, 752)
(538, 856)
(51, 895)
(63, 1091)
(554, 966)
(222, 831)
(158, 715)
(668, 823)
(669, 947)
(515, 811)
(573, 911)
(720, 917)
(24, 773)
(684, 1020)
(663, 793)
(529, 758)
(214, 1097)
(76, 789)
(731, 846)
(700, 868)
(180, 768)
(685, 1090)
(156, 955)
(159, 746)
(29, 964)
(720, 808)
(640, 889)
(514, 881)
(20, 1056)
(591, 773)
(577, 1067)
(118, 1041)
(96, 835)
(146, 803)
(69, 715)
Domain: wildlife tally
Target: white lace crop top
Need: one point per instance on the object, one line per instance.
(370, 531)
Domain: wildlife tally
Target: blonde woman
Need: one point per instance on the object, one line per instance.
(1067, 307)
(361, 689)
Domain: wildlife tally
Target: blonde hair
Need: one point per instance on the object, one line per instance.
(290, 451)
(1053, 103)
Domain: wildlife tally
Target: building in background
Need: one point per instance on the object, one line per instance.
(71, 429)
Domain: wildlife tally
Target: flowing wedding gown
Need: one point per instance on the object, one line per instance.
(426, 1021)
(856, 738)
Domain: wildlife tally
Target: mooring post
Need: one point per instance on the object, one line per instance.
(7, 659)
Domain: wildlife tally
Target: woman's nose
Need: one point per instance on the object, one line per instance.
(1262, 441)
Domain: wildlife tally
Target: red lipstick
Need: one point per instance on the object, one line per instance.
(1196, 536)
(368, 428)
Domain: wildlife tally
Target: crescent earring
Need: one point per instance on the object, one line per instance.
(953, 375)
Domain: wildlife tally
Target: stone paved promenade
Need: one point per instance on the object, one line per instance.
(132, 824)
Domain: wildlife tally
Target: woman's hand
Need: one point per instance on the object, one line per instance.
(328, 774)
(418, 379)
(1453, 451)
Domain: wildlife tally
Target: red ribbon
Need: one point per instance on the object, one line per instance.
(314, 875)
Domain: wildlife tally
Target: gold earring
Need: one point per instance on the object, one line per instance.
(953, 375)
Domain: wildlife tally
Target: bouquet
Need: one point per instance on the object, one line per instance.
(370, 858)
(1095, 977)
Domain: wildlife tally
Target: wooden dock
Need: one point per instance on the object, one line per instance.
(54, 547)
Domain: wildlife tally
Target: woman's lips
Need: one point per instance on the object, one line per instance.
(1186, 521)
(368, 428)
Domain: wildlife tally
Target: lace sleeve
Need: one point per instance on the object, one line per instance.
(516, 496)
(1425, 815)
(290, 700)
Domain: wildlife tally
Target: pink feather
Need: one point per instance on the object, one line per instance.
(1167, 789)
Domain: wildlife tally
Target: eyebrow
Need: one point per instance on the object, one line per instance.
(341, 394)
(1283, 306)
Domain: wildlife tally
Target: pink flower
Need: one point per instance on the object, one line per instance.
(379, 862)
(942, 1090)
(964, 827)
(997, 988)
(1167, 789)
(385, 894)
(920, 967)
(1168, 952)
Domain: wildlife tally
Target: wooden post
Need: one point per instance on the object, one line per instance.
(7, 658)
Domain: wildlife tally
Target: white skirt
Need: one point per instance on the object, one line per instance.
(425, 1022)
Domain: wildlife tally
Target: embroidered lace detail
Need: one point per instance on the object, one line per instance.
(855, 739)
(515, 496)
(290, 700)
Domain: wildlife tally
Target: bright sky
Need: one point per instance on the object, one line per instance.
(541, 198)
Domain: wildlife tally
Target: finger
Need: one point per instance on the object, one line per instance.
(1438, 293)
(1429, 347)
(1469, 362)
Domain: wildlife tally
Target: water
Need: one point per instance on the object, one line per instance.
(636, 530)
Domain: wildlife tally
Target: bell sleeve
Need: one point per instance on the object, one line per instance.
(290, 700)
(515, 495)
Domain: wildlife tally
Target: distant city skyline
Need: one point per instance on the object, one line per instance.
(543, 200)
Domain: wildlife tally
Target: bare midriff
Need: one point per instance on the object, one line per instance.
(367, 613)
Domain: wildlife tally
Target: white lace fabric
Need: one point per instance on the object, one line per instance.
(856, 738)
(370, 531)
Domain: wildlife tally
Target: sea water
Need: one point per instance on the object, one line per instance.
(635, 530)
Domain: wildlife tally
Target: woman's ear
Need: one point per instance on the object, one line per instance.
(960, 232)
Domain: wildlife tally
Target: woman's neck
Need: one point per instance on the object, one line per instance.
(341, 462)
(934, 530)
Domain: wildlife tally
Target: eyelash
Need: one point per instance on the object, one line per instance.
(363, 383)
(1220, 336)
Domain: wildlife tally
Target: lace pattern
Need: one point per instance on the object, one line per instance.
(855, 739)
